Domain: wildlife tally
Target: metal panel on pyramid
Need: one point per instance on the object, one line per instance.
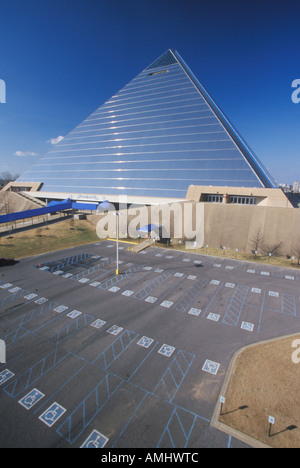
(157, 136)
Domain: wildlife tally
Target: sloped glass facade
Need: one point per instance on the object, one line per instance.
(157, 136)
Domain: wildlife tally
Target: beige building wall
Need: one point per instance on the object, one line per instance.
(234, 226)
(241, 227)
(265, 197)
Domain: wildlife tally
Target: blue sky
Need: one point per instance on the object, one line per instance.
(62, 59)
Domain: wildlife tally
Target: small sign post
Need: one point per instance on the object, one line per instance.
(271, 423)
(222, 400)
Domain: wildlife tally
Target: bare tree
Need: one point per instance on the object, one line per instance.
(296, 251)
(6, 177)
(256, 241)
(272, 249)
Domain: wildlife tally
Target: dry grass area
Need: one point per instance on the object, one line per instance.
(265, 382)
(57, 236)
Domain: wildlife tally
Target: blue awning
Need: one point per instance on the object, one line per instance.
(148, 228)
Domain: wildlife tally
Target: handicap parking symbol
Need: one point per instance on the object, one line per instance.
(114, 330)
(5, 376)
(52, 414)
(31, 399)
(95, 440)
(211, 367)
(145, 342)
(166, 350)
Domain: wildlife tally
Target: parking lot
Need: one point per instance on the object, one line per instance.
(95, 359)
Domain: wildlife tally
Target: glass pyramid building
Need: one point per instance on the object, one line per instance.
(157, 136)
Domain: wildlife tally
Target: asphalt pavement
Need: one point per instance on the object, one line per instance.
(135, 360)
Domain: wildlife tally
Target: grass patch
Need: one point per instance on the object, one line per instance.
(58, 236)
(265, 382)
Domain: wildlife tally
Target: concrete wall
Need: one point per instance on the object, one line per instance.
(236, 226)
(11, 202)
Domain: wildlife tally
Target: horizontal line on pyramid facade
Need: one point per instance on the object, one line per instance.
(159, 135)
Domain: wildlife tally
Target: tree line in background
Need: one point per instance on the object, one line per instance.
(6, 177)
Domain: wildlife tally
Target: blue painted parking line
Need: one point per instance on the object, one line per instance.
(68, 330)
(7, 299)
(95, 440)
(31, 399)
(52, 414)
(36, 312)
(288, 305)
(190, 295)
(15, 335)
(115, 349)
(235, 307)
(117, 278)
(151, 286)
(171, 380)
(175, 421)
(88, 408)
(34, 373)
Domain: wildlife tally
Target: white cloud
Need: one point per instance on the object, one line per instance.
(25, 153)
(54, 141)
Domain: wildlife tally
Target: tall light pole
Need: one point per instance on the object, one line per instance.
(117, 214)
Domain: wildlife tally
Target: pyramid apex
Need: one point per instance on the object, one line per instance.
(168, 58)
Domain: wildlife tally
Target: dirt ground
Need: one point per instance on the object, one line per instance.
(265, 382)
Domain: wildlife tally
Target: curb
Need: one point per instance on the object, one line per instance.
(249, 440)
